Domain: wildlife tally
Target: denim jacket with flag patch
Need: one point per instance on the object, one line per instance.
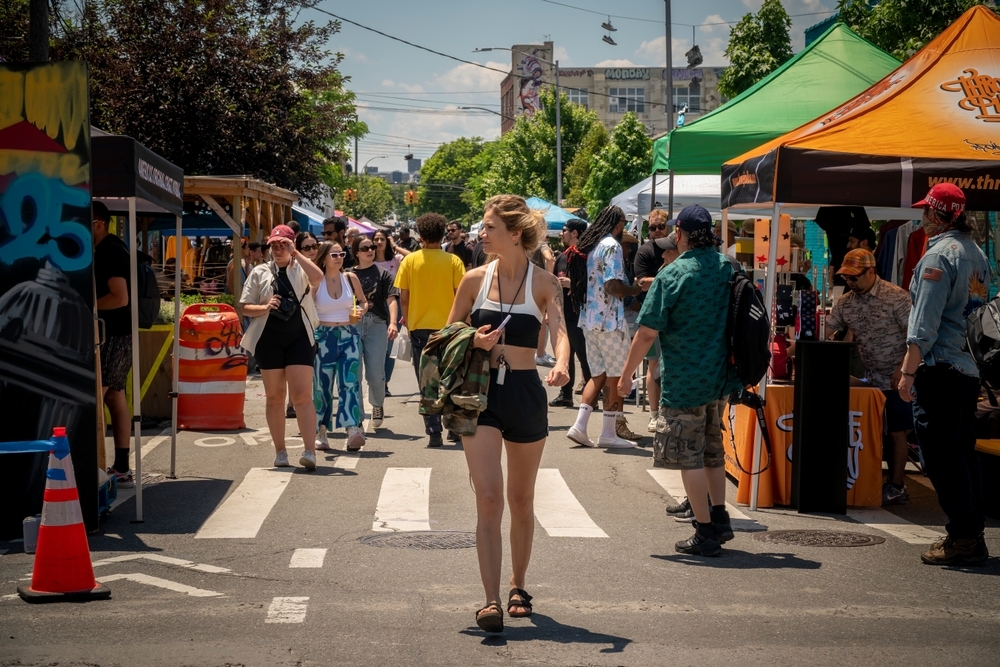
(950, 281)
(454, 378)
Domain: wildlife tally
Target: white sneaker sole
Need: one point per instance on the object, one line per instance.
(627, 444)
(308, 464)
(355, 442)
(580, 438)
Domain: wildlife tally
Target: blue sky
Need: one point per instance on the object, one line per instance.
(386, 74)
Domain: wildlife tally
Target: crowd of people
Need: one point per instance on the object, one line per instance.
(319, 313)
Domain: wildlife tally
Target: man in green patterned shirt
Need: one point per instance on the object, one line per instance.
(686, 308)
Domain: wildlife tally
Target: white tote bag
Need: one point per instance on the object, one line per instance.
(402, 350)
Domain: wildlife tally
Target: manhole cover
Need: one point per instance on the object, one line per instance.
(431, 539)
(818, 538)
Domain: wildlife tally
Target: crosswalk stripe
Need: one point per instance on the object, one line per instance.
(347, 460)
(287, 610)
(671, 482)
(244, 511)
(404, 501)
(149, 580)
(558, 510)
(307, 558)
(887, 522)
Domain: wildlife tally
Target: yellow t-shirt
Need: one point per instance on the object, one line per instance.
(431, 276)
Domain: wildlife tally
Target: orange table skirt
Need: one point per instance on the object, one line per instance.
(864, 456)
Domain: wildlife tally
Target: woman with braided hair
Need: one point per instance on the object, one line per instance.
(597, 286)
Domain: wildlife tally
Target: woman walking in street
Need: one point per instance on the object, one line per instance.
(305, 243)
(340, 304)
(378, 328)
(388, 257)
(280, 337)
(516, 416)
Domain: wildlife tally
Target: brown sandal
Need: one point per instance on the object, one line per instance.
(490, 618)
(525, 602)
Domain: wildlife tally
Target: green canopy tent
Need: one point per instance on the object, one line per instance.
(831, 70)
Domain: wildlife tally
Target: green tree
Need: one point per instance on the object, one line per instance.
(215, 86)
(619, 165)
(758, 45)
(578, 170)
(525, 160)
(374, 199)
(445, 177)
(903, 27)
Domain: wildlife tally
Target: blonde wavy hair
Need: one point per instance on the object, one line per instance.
(517, 217)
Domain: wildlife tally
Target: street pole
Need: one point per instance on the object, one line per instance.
(355, 156)
(38, 31)
(670, 104)
(559, 183)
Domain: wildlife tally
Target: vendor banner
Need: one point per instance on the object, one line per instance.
(47, 351)
(863, 452)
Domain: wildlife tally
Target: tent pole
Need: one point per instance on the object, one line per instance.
(136, 371)
(670, 194)
(175, 361)
(769, 287)
(652, 198)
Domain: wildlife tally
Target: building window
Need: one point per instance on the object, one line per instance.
(578, 96)
(689, 96)
(627, 99)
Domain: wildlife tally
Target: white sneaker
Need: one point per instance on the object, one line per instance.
(355, 438)
(652, 424)
(579, 437)
(378, 413)
(308, 460)
(281, 459)
(545, 360)
(614, 442)
(322, 442)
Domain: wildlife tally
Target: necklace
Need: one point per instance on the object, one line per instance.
(502, 359)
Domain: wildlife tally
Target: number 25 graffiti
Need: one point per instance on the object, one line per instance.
(32, 208)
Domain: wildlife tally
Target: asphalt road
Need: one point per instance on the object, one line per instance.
(612, 591)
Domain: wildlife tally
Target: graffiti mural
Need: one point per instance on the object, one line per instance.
(47, 375)
(531, 84)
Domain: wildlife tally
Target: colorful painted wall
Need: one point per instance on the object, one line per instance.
(47, 351)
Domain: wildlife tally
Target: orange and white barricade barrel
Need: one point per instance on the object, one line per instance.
(63, 569)
(212, 369)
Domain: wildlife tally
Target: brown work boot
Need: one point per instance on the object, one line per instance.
(951, 551)
(623, 431)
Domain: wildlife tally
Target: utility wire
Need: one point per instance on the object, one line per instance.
(686, 25)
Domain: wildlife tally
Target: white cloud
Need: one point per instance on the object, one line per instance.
(652, 51)
(562, 56)
(470, 77)
(713, 23)
(416, 88)
(351, 54)
(619, 62)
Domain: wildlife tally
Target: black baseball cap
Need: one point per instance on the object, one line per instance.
(668, 242)
(694, 218)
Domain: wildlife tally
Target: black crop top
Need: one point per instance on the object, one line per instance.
(525, 318)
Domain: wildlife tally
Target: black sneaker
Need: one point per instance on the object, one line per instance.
(561, 402)
(435, 440)
(704, 542)
(289, 412)
(680, 508)
(454, 437)
(723, 526)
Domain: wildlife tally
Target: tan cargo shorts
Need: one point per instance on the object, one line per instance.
(689, 438)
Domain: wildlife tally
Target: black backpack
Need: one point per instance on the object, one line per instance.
(148, 292)
(982, 338)
(748, 330)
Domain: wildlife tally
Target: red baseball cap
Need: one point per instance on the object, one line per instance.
(944, 197)
(282, 232)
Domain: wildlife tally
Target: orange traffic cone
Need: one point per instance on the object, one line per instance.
(63, 570)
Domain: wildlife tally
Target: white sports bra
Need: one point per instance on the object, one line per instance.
(335, 310)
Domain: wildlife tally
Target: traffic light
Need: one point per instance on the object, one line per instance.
(350, 194)
(410, 197)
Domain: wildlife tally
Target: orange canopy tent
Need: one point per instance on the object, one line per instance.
(935, 118)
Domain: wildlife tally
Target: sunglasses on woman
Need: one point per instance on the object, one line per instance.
(308, 247)
(366, 248)
(338, 255)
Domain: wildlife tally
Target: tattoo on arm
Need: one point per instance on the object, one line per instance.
(560, 309)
